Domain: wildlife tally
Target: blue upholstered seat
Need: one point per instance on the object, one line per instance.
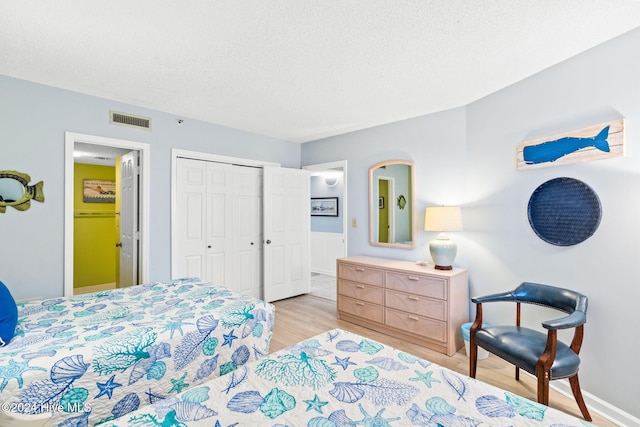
(540, 354)
(523, 347)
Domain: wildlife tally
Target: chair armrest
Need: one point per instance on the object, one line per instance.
(573, 320)
(502, 296)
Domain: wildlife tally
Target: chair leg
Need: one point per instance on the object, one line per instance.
(543, 388)
(577, 393)
(517, 374)
(473, 359)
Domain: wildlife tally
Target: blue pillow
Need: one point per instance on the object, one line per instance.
(8, 315)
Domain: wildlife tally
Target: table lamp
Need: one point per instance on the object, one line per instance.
(442, 219)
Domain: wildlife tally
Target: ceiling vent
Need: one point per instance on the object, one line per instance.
(125, 119)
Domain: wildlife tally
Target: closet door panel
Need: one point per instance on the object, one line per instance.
(247, 226)
(190, 212)
(219, 226)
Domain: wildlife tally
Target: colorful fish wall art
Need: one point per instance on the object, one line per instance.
(16, 192)
(603, 141)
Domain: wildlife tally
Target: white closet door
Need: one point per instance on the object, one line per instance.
(219, 226)
(190, 213)
(286, 231)
(247, 226)
(243, 227)
(204, 220)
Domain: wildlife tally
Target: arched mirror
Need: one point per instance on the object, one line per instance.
(392, 221)
(16, 192)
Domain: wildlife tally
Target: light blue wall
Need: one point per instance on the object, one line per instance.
(328, 224)
(33, 120)
(466, 157)
(592, 88)
(437, 143)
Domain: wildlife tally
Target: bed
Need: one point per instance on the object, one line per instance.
(342, 379)
(92, 358)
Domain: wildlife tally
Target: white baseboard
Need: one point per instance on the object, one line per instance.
(94, 288)
(325, 272)
(595, 404)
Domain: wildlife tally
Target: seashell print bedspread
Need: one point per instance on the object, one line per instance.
(92, 358)
(342, 379)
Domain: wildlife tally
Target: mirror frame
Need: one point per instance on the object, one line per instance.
(372, 205)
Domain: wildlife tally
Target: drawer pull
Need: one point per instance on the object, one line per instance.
(413, 318)
(359, 269)
(360, 286)
(414, 278)
(361, 304)
(414, 298)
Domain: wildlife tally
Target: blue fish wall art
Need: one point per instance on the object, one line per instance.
(593, 143)
(551, 151)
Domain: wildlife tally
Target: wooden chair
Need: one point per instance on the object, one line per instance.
(540, 354)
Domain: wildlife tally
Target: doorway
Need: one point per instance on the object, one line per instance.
(75, 142)
(328, 235)
(386, 215)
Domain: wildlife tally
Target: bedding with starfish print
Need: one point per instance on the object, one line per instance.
(338, 379)
(89, 359)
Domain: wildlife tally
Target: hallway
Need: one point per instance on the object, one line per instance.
(323, 286)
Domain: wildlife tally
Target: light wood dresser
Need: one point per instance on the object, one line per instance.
(417, 303)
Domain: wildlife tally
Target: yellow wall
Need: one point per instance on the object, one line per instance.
(383, 214)
(94, 239)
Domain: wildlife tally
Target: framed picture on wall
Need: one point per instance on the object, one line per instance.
(324, 206)
(98, 191)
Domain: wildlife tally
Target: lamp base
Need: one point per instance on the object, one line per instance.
(443, 252)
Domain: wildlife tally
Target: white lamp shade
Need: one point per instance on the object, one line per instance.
(443, 218)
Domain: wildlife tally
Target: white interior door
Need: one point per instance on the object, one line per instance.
(203, 218)
(286, 232)
(128, 217)
(191, 220)
(247, 225)
(219, 226)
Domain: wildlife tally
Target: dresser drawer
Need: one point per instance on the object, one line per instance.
(370, 293)
(434, 287)
(362, 274)
(416, 324)
(369, 311)
(417, 304)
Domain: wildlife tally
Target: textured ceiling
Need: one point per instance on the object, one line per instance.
(299, 70)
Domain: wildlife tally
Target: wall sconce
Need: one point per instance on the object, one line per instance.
(331, 181)
(443, 218)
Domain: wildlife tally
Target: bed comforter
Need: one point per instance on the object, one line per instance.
(342, 379)
(92, 358)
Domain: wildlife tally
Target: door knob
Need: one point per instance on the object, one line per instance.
(251, 243)
(268, 242)
(208, 246)
(119, 245)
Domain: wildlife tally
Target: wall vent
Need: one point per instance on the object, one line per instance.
(125, 119)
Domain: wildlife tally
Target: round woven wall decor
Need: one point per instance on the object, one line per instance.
(564, 211)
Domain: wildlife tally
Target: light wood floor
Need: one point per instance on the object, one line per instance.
(305, 316)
